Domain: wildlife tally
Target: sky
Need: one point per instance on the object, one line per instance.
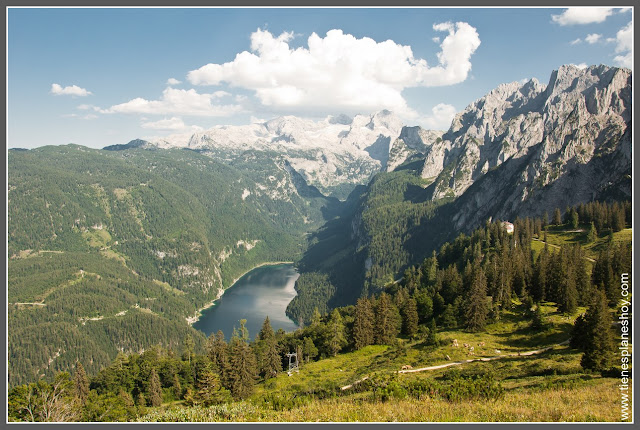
(104, 76)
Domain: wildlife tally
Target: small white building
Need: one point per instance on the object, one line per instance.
(507, 226)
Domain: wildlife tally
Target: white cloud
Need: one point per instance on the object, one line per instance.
(624, 46)
(179, 102)
(580, 66)
(75, 115)
(441, 116)
(73, 90)
(436, 39)
(173, 81)
(592, 38)
(340, 70)
(582, 15)
(173, 123)
(575, 42)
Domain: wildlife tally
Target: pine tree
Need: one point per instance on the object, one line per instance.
(557, 217)
(155, 389)
(448, 317)
(218, 353)
(267, 347)
(363, 323)
(618, 218)
(188, 348)
(386, 329)
(337, 339)
(210, 390)
(476, 305)
(568, 293)
(242, 372)
(432, 337)
(81, 384)
(309, 349)
(599, 347)
(573, 219)
(592, 234)
(176, 387)
(410, 317)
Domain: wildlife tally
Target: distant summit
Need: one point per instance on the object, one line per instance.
(136, 143)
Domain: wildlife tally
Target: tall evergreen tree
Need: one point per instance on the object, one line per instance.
(269, 360)
(218, 352)
(410, 317)
(242, 372)
(309, 349)
(188, 348)
(592, 234)
(155, 389)
(432, 336)
(364, 319)
(81, 384)
(337, 339)
(476, 306)
(210, 389)
(386, 327)
(557, 217)
(599, 346)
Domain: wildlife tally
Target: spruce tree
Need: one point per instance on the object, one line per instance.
(337, 339)
(363, 323)
(81, 384)
(218, 352)
(448, 317)
(267, 347)
(599, 346)
(309, 349)
(592, 234)
(410, 317)
(242, 372)
(155, 389)
(210, 390)
(432, 337)
(386, 329)
(476, 308)
(557, 217)
(188, 348)
(176, 387)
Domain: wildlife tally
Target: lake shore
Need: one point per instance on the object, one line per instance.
(192, 320)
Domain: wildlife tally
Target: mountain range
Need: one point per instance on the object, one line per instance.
(152, 230)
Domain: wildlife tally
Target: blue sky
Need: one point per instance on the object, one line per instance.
(98, 77)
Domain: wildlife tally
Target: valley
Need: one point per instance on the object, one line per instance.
(118, 258)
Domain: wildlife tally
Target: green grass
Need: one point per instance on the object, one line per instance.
(559, 235)
(550, 386)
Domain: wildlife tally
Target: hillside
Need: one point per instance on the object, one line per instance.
(521, 150)
(114, 250)
(506, 370)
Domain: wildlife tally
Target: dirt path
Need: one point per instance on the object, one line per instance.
(457, 363)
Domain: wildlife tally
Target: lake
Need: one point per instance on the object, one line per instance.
(266, 290)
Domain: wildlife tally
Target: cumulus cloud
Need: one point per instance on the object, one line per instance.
(580, 66)
(575, 42)
(173, 81)
(173, 123)
(441, 116)
(72, 90)
(624, 46)
(86, 117)
(582, 15)
(592, 38)
(179, 102)
(340, 70)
